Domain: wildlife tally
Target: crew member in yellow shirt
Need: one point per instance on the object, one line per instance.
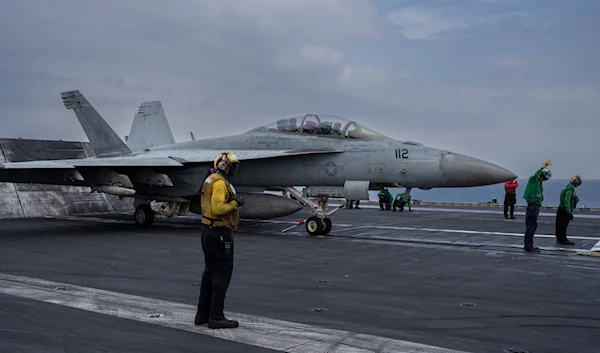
(220, 218)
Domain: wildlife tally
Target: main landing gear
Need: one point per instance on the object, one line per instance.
(319, 222)
(144, 215)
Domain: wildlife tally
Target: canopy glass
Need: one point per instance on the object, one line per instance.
(322, 124)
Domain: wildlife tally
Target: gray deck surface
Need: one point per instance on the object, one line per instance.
(439, 277)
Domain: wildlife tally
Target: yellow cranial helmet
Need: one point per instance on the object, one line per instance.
(230, 159)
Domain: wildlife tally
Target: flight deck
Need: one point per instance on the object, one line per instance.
(436, 224)
(438, 279)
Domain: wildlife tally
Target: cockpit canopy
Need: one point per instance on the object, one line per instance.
(322, 124)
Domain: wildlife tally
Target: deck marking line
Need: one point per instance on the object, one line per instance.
(258, 331)
(373, 226)
(441, 230)
(595, 247)
(491, 211)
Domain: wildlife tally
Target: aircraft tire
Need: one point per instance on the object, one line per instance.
(327, 225)
(143, 216)
(314, 226)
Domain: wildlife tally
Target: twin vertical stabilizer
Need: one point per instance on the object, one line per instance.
(103, 140)
(150, 128)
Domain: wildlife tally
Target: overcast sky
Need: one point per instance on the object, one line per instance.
(514, 82)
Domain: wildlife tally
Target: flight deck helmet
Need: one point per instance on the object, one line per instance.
(230, 160)
(546, 174)
(576, 180)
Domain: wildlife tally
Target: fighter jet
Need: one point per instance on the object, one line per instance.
(329, 155)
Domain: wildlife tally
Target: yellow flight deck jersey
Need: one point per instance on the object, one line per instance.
(217, 202)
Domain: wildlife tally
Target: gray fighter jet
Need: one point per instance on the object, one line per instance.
(329, 155)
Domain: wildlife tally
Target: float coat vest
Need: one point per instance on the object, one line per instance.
(219, 208)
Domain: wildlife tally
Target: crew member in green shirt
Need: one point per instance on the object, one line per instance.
(400, 203)
(385, 198)
(564, 214)
(534, 196)
(350, 204)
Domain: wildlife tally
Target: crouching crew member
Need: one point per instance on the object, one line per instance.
(400, 203)
(564, 214)
(220, 218)
(350, 204)
(385, 198)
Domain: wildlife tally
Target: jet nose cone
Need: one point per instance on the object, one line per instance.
(464, 171)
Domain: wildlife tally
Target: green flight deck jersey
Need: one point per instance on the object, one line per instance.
(399, 198)
(534, 190)
(388, 198)
(568, 198)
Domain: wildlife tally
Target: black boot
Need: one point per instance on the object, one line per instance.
(222, 323)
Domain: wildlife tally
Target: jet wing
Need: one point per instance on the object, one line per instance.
(94, 162)
(125, 170)
(204, 156)
(167, 158)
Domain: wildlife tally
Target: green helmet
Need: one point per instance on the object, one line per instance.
(546, 174)
(576, 180)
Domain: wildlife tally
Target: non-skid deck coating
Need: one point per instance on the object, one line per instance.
(459, 226)
(452, 226)
(334, 293)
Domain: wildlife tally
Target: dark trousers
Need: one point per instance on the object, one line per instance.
(562, 222)
(351, 203)
(217, 244)
(388, 206)
(531, 217)
(399, 204)
(509, 200)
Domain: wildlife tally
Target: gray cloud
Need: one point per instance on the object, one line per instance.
(247, 63)
(423, 23)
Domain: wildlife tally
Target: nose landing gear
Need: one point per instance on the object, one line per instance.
(319, 222)
(318, 226)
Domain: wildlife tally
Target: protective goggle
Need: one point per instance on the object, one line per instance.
(234, 165)
(546, 174)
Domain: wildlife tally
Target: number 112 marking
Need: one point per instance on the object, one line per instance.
(401, 153)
